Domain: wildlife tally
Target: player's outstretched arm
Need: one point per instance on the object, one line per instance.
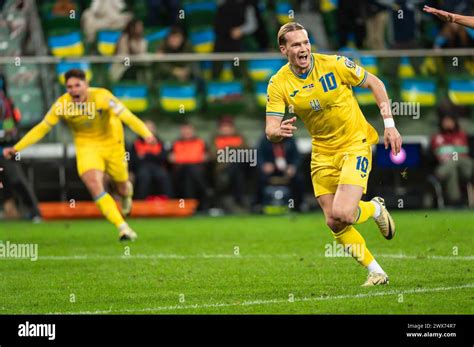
(276, 129)
(450, 17)
(31, 137)
(137, 126)
(391, 135)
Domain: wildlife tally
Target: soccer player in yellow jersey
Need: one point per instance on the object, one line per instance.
(95, 118)
(318, 89)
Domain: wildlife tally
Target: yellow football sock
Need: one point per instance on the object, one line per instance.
(109, 209)
(365, 210)
(354, 243)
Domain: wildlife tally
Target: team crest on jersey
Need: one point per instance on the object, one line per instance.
(349, 63)
(315, 105)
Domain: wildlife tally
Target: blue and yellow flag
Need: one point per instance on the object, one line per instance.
(135, 97)
(223, 91)
(461, 92)
(262, 70)
(67, 45)
(202, 40)
(421, 91)
(107, 42)
(178, 98)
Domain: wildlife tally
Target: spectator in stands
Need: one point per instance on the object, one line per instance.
(451, 148)
(15, 183)
(104, 14)
(17, 14)
(376, 24)
(63, 8)
(170, 9)
(234, 19)
(278, 164)
(350, 23)
(131, 42)
(229, 175)
(404, 24)
(308, 15)
(189, 156)
(147, 162)
(175, 42)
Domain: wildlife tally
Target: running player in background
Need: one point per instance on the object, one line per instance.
(95, 118)
(318, 88)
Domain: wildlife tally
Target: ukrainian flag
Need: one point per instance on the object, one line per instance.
(107, 42)
(174, 98)
(329, 5)
(63, 67)
(261, 93)
(369, 63)
(461, 92)
(419, 91)
(282, 10)
(68, 45)
(203, 40)
(405, 69)
(206, 69)
(223, 91)
(262, 70)
(135, 97)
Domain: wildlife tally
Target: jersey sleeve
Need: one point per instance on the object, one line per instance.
(275, 102)
(41, 129)
(349, 72)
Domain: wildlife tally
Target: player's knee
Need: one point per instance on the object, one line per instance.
(334, 225)
(343, 216)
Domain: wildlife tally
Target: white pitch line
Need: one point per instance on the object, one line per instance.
(271, 301)
(165, 256)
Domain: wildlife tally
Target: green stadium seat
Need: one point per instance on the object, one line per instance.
(29, 100)
(24, 75)
(199, 12)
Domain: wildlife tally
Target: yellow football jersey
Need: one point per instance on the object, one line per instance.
(323, 98)
(94, 122)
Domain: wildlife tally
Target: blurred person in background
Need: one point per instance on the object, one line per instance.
(350, 22)
(131, 42)
(63, 8)
(104, 14)
(376, 24)
(234, 19)
(455, 166)
(467, 21)
(280, 160)
(148, 163)
(169, 7)
(175, 42)
(15, 183)
(229, 175)
(189, 157)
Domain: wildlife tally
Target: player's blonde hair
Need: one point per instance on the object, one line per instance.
(286, 28)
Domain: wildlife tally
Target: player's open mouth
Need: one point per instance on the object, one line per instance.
(303, 58)
(76, 98)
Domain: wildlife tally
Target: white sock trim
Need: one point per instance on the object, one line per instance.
(378, 209)
(375, 267)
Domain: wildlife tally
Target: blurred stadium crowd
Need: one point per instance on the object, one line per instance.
(207, 90)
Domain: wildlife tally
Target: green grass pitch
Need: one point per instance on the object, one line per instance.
(238, 265)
